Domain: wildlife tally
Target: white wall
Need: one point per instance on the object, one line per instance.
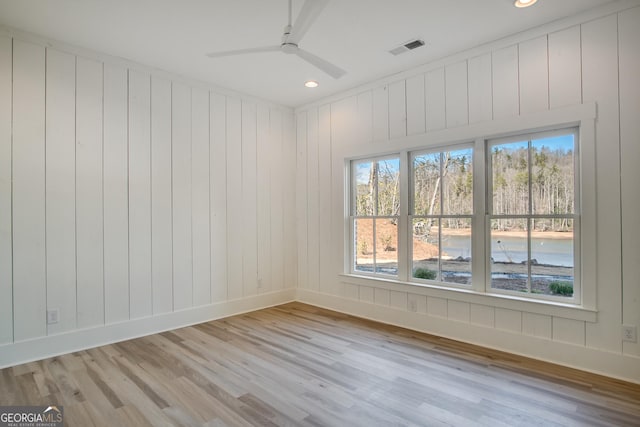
(133, 201)
(592, 58)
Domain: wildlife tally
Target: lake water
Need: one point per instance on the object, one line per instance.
(558, 252)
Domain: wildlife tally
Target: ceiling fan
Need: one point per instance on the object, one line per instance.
(292, 37)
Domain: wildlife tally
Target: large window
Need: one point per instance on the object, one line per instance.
(497, 216)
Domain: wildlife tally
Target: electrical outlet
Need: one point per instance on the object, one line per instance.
(629, 333)
(53, 316)
(413, 305)
(259, 283)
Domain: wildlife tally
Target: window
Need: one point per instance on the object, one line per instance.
(442, 209)
(375, 213)
(532, 213)
(496, 216)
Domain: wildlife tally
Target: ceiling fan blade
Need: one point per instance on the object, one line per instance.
(243, 51)
(333, 70)
(308, 14)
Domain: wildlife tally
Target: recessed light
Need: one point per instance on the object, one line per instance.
(311, 83)
(524, 3)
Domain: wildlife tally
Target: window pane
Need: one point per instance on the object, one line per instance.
(426, 184)
(456, 250)
(388, 187)
(365, 173)
(553, 175)
(387, 246)
(510, 180)
(509, 254)
(552, 266)
(457, 177)
(425, 248)
(363, 230)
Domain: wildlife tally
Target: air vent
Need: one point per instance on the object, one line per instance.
(405, 47)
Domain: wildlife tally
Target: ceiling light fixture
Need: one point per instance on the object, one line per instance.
(524, 3)
(311, 83)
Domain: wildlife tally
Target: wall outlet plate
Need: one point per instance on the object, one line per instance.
(53, 316)
(629, 333)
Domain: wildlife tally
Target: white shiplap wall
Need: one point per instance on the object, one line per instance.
(128, 195)
(593, 62)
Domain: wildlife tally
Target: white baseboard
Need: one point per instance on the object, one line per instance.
(593, 360)
(54, 345)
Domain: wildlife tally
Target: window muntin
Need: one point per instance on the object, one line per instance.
(375, 214)
(532, 216)
(441, 215)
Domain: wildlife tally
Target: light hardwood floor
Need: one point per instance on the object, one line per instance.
(300, 365)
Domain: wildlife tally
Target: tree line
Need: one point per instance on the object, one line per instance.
(443, 185)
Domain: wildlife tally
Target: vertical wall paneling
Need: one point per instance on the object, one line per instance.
(29, 281)
(417, 303)
(140, 194)
(289, 166)
(435, 94)
(565, 68)
(116, 195)
(324, 192)
(600, 85)
(397, 110)
(458, 311)
(380, 98)
(437, 307)
(365, 293)
(218, 188)
(457, 113)
(60, 188)
(508, 320)
(629, 34)
(569, 331)
(381, 296)
(365, 117)
(89, 200)
(234, 198)
(161, 222)
(416, 115)
(301, 199)
(506, 101)
(536, 325)
(482, 315)
(264, 165)
(181, 190)
(200, 196)
(398, 300)
(277, 199)
(534, 75)
(480, 89)
(351, 291)
(249, 198)
(6, 256)
(313, 203)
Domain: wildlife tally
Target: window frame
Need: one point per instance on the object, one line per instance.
(490, 215)
(411, 214)
(353, 217)
(581, 116)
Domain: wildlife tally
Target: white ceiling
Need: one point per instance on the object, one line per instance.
(174, 35)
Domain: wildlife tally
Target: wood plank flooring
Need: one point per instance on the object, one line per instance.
(298, 365)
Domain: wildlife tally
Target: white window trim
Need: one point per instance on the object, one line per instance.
(580, 116)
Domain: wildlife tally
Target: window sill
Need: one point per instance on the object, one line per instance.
(510, 302)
